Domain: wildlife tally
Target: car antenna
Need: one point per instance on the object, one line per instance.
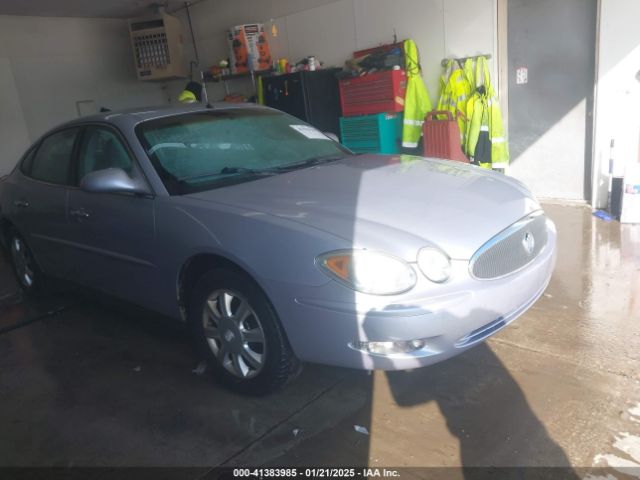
(204, 90)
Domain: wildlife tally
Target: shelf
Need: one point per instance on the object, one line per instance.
(208, 77)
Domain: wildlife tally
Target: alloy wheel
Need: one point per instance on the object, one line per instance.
(234, 333)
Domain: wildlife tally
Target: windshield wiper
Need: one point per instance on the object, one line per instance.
(309, 162)
(228, 171)
(233, 170)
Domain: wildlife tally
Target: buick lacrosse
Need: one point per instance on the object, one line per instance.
(276, 244)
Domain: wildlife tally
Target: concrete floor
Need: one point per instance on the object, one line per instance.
(90, 383)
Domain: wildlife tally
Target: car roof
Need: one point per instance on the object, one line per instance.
(131, 116)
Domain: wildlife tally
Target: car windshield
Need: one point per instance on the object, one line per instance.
(215, 148)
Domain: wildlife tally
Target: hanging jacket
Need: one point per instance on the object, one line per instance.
(482, 147)
(460, 93)
(497, 135)
(499, 146)
(455, 93)
(416, 101)
(478, 121)
(444, 102)
(470, 74)
(485, 123)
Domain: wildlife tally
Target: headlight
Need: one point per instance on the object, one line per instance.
(368, 272)
(435, 264)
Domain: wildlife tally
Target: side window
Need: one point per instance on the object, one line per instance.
(52, 160)
(27, 161)
(101, 149)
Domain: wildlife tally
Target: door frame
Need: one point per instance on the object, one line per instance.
(596, 200)
(502, 62)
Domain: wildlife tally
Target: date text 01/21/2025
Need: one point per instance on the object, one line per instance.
(322, 472)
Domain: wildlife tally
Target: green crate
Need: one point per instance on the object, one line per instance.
(378, 133)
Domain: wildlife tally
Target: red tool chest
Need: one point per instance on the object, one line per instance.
(442, 137)
(378, 92)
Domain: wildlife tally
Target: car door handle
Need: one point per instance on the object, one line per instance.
(21, 203)
(79, 213)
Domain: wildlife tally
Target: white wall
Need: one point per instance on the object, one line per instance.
(47, 64)
(332, 29)
(617, 92)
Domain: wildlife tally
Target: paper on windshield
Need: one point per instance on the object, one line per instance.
(310, 132)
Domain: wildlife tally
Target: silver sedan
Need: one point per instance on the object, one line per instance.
(275, 243)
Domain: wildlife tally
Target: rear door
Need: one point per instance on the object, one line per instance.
(38, 197)
(113, 233)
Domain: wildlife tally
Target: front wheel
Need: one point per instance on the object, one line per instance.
(239, 334)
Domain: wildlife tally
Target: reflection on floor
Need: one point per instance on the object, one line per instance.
(90, 383)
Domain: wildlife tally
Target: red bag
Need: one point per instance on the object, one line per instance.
(442, 137)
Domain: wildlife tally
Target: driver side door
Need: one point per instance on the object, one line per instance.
(113, 234)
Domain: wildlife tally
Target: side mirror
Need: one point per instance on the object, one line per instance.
(112, 180)
(332, 136)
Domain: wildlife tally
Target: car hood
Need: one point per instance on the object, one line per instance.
(392, 202)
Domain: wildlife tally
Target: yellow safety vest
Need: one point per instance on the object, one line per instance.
(416, 101)
(456, 91)
(483, 113)
(475, 111)
(445, 87)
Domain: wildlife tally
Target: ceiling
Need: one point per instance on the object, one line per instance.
(84, 8)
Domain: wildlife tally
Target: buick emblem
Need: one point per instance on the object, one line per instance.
(528, 243)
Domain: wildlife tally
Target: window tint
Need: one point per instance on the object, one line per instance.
(101, 149)
(52, 160)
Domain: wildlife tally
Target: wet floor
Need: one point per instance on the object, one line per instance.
(87, 382)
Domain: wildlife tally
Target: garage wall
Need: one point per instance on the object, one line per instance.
(14, 136)
(617, 93)
(332, 30)
(47, 64)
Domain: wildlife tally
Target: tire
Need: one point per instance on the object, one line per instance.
(23, 263)
(238, 333)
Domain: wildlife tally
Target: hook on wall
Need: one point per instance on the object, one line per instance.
(461, 60)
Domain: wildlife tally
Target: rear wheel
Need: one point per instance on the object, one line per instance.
(23, 263)
(238, 333)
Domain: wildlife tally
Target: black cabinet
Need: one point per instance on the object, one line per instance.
(310, 96)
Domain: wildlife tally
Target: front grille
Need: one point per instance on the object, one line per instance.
(512, 249)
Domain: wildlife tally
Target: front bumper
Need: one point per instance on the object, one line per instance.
(451, 317)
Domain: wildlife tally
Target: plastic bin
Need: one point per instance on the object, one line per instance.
(377, 133)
